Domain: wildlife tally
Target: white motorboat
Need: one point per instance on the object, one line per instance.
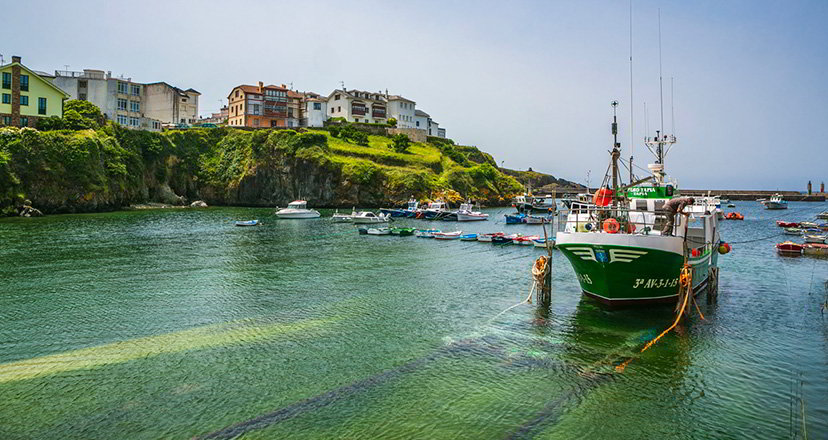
(545, 203)
(368, 217)
(775, 202)
(541, 243)
(466, 214)
(536, 220)
(379, 231)
(426, 233)
(297, 209)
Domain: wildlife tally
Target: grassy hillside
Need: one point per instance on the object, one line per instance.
(108, 167)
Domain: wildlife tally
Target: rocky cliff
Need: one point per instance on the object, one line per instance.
(111, 167)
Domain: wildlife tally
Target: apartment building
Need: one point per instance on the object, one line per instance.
(316, 111)
(401, 109)
(258, 106)
(169, 104)
(358, 106)
(119, 98)
(27, 96)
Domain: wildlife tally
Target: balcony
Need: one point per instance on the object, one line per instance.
(376, 114)
(358, 111)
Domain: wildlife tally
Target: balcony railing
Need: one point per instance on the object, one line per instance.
(378, 114)
(359, 111)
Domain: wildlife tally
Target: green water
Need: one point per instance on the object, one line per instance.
(176, 324)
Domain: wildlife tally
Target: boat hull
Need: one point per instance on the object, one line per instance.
(776, 205)
(471, 217)
(628, 271)
(297, 215)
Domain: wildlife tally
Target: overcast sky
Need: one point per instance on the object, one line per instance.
(529, 82)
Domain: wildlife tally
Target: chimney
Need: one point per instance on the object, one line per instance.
(15, 59)
(261, 87)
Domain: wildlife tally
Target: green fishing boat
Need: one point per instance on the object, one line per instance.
(625, 249)
(402, 231)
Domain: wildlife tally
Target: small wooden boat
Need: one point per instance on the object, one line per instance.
(526, 240)
(734, 216)
(784, 224)
(468, 237)
(466, 213)
(541, 243)
(789, 248)
(247, 223)
(792, 231)
(487, 238)
(823, 226)
(447, 235)
(807, 225)
(817, 249)
(731, 205)
(823, 215)
(504, 239)
(426, 233)
(402, 232)
(814, 238)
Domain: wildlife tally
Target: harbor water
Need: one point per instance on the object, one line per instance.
(177, 324)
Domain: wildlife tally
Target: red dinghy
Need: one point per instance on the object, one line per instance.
(789, 248)
(782, 224)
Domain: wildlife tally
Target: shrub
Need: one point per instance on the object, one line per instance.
(73, 120)
(392, 122)
(334, 130)
(351, 134)
(400, 143)
(50, 123)
(361, 172)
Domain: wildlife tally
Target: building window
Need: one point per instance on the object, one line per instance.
(134, 122)
(135, 89)
(6, 80)
(82, 83)
(82, 96)
(257, 109)
(41, 106)
(237, 93)
(123, 120)
(317, 106)
(336, 97)
(6, 120)
(122, 104)
(24, 83)
(134, 106)
(183, 121)
(255, 122)
(338, 109)
(332, 110)
(418, 123)
(183, 99)
(122, 87)
(24, 100)
(24, 121)
(6, 98)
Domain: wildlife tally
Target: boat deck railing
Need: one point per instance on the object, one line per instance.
(586, 217)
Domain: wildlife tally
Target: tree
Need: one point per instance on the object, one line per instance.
(85, 109)
(392, 122)
(400, 143)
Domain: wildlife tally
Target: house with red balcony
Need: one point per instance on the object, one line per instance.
(258, 106)
(358, 106)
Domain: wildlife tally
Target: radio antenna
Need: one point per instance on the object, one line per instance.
(660, 76)
(632, 106)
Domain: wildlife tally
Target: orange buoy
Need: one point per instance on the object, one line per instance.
(602, 197)
(611, 226)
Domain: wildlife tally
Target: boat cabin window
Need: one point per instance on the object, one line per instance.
(640, 205)
(297, 204)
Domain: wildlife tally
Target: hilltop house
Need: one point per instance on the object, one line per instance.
(258, 106)
(169, 104)
(358, 106)
(27, 96)
(120, 99)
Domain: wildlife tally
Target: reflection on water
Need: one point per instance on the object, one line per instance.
(176, 324)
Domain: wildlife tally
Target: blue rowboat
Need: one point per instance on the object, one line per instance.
(513, 219)
(468, 237)
(247, 223)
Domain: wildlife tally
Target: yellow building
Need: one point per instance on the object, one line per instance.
(26, 96)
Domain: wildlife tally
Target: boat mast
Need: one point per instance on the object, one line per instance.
(632, 106)
(660, 147)
(616, 150)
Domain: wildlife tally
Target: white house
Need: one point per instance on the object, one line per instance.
(402, 110)
(357, 106)
(316, 111)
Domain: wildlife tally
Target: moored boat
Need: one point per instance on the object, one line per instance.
(807, 225)
(487, 238)
(504, 239)
(813, 238)
(343, 218)
(789, 248)
(379, 231)
(628, 248)
(823, 215)
(468, 237)
(426, 233)
(536, 219)
(542, 243)
(297, 209)
(368, 217)
(734, 216)
(526, 240)
(516, 218)
(247, 223)
(817, 249)
(792, 231)
(775, 202)
(454, 235)
(402, 231)
(784, 224)
(467, 214)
